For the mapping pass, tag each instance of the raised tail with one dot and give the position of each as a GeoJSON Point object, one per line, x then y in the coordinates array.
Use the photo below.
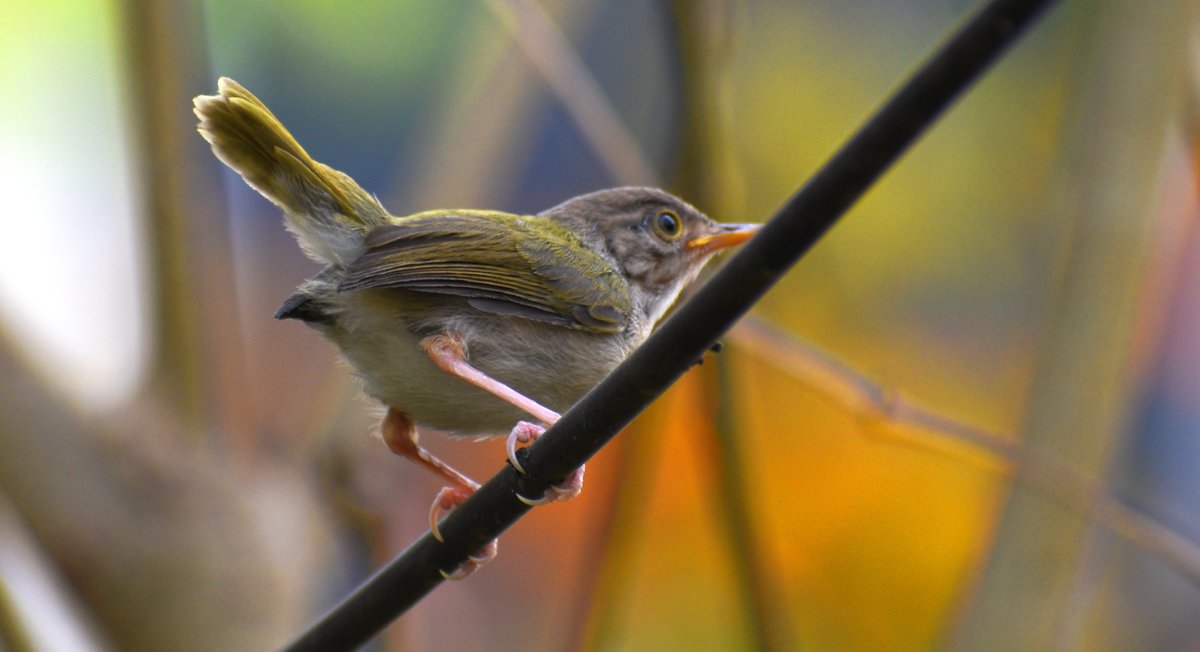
{"type": "Point", "coordinates": [327, 211]}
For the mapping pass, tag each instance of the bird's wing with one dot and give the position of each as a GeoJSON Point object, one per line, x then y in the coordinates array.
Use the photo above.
{"type": "Point", "coordinates": [527, 266]}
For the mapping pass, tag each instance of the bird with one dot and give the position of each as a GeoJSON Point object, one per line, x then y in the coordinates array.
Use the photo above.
{"type": "Point", "coordinates": [466, 321]}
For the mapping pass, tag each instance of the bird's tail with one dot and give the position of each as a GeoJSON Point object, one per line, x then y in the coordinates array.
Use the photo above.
{"type": "Point", "coordinates": [327, 211]}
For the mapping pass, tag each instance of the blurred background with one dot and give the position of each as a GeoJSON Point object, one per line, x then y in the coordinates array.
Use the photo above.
{"type": "Point", "coordinates": [970, 418]}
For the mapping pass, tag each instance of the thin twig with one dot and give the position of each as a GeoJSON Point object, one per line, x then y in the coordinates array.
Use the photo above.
{"type": "Point", "coordinates": [669, 352]}
{"type": "Point", "coordinates": [641, 451]}
{"type": "Point", "coordinates": [840, 384]}
{"type": "Point", "coordinates": [1079, 403]}
{"type": "Point", "coordinates": [548, 49]}
{"type": "Point", "coordinates": [177, 371]}
{"type": "Point", "coordinates": [705, 172]}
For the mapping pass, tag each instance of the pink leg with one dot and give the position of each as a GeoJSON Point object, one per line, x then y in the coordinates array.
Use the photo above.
{"type": "Point", "coordinates": [400, 435]}
{"type": "Point", "coordinates": [449, 354]}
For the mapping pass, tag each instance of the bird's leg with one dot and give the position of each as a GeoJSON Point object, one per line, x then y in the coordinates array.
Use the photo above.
{"type": "Point", "coordinates": [400, 435]}
{"type": "Point", "coordinates": [449, 354]}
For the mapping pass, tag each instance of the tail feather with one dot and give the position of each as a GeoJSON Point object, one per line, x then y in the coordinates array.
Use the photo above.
{"type": "Point", "coordinates": [326, 209]}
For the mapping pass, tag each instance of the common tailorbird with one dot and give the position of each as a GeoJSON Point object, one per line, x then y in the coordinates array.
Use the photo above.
{"type": "Point", "coordinates": [465, 321]}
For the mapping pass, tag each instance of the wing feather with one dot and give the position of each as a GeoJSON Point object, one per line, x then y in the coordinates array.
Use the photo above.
{"type": "Point", "coordinates": [526, 266]}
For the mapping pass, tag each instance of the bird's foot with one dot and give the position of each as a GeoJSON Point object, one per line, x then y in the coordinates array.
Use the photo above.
{"type": "Point", "coordinates": [449, 498]}
{"type": "Point", "coordinates": [526, 433]}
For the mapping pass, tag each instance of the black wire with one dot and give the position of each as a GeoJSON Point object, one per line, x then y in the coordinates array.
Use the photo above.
{"type": "Point", "coordinates": [684, 338]}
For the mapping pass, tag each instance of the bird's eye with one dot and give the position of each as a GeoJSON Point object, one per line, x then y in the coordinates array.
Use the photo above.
{"type": "Point", "coordinates": [668, 226]}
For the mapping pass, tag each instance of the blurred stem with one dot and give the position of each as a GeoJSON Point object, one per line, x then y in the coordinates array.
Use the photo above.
{"type": "Point", "coordinates": [157, 538]}
{"type": "Point", "coordinates": [1081, 389]}
{"type": "Point", "coordinates": [887, 413]}
{"type": "Point", "coordinates": [705, 172]}
{"type": "Point", "coordinates": [759, 597]}
{"type": "Point", "coordinates": [705, 169]}
{"type": "Point", "coordinates": [36, 606]}
{"type": "Point", "coordinates": [472, 155]}
{"type": "Point", "coordinates": [14, 634]}
{"type": "Point", "coordinates": [548, 49]}
{"type": "Point", "coordinates": [176, 369]}
{"type": "Point", "coordinates": [1168, 237]}
{"type": "Point", "coordinates": [616, 563]}
{"type": "Point", "coordinates": [196, 362]}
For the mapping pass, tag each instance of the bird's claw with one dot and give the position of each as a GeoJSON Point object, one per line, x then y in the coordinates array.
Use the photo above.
{"type": "Point", "coordinates": [485, 555]}
{"type": "Point", "coordinates": [565, 490]}
{"type": "Point", "coordinates": [448, 498]}
{"type": "Point", "coordinates": [527, 433]}
{"type": "Point", "coordinates": [522, 433]}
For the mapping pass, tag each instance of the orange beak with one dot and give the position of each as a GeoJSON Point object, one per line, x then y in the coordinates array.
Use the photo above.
{"type": "Point", "coordinates": [730, 235]}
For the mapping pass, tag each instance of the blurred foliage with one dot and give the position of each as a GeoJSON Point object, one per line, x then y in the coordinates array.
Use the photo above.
{"type": "Point", "coordinates": [850, 473]}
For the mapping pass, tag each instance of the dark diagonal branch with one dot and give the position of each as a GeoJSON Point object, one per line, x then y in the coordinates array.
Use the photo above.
{"type": "Point", "coordinates": [684, 338]}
